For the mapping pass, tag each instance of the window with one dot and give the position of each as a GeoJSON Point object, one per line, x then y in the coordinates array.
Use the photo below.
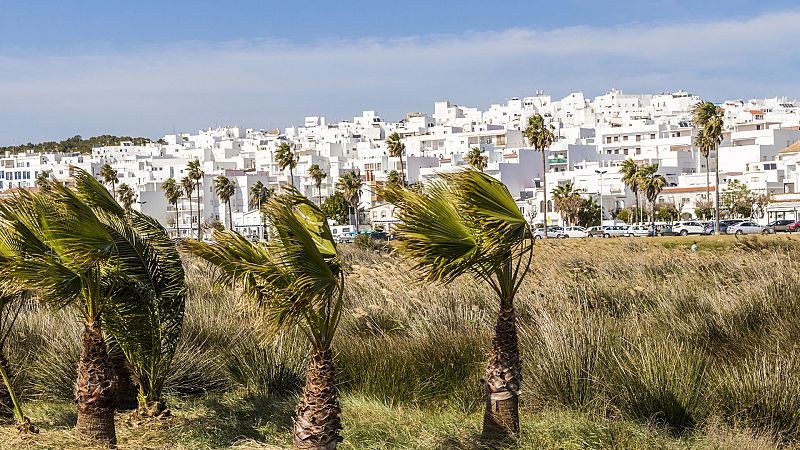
{"type": "Point", "coordinates": [652, 135]}
{"type": "Point", "coordinates": [624, 138]}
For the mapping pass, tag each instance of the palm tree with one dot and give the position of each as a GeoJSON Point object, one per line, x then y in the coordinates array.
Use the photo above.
{"type": "Point", "coordinates": [710, 118]}
{"type": "Point", "coordinates": [43, 179]}
{"type": "Point", "coordinates": [173, 193]}
{"type": "Point", "coordinates": [300, 279]}
{"type": "Point", "coordinates": [286, 157]}
{"type": "Point", "coordinates": [118, 268]}
{"type": "Point", "coordinates": [396, 149]}
{"type": "Point", "coordinates": [630, 176]}
{"type": "Point", "coordinates": [705, 145]}
{"type": "Point", "coordinates": [567, 200]}
{"type": "Point", "coordinates": [541, 137]}
{"type": "Point", "coordinates": [225, 189]}
{"type": "Point", "coordinates": [651, 184]}
{"type": "Point", "coordinates": [110, 177]}
{"type": "Point", "coordinates": [476, 159]}
{"type": "Point", "coordinates": [10, 305]}
{"type": "Point", "coordinates": [317, 175]}
{"type": "Point", "coordinates": [259, 194]}
{"type": "Point", "coordinates": [467, 222]}
{"type": "Point", "coordinates": [187, 185]}
{"type": "Point", "coordinates": [195, 173]}
{"type": "Point", "coordinates": [394, 178]}
{"type": "Point", "coordinates": [350, 184]}
{"type": "Point", "coordinates": [126, 196]}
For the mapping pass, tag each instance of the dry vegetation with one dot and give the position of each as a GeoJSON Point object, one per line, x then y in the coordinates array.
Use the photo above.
{"type": "Point", "coordinates": [626, 343]}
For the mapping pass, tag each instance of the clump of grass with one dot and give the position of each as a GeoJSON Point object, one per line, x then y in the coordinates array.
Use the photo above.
{"type": "Point", "coordinates": [763, 393]}
{"type": "Point", "coordinates": [266, 367]}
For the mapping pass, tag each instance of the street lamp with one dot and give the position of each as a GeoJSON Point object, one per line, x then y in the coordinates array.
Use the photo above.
{"type": "Point", "coordinates": [601, 172]}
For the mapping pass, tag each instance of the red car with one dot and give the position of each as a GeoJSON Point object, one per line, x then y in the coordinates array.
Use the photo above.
{"type": "Point", "coordinates": [794, 226]}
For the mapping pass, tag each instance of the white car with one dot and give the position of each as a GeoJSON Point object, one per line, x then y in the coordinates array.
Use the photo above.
{"type": "Point", "coordinates": [573, 232]}
{"type": "Point", "coordinates": [687, 228]}
{"type": "Point", "coordinates": [637, 231]}
{"type": "Point", "coordinates": [552, 232]}
{"type": "Point", "coordinates": [746, 228]}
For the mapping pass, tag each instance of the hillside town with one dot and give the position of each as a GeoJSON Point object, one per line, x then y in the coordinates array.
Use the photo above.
{"type": "Point", "coordinates": [759, 153]}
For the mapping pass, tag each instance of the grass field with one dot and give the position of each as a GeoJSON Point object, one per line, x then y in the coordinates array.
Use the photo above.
{"type": "Point", "coordinates": [626, 343]}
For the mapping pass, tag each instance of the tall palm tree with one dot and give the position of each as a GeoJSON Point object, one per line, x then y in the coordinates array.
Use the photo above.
{"type": "Point", "coordinates": [10, 305]}
{"type": "Point", "coordinates": [704, 144]}
{"type": "Point", "coordinates": [187, 185]}
{"type": "Point", "coordinates": [651, 184]}
{"type": "Point", "coordinates": [350, 185]}
{"type": "Point", "coordinates": [468, 223]}
{"type": "Point", "coordinates": [396, 148]}
{"type": "Point", "coordinates": [300, 279]}
{"type": "Point", "coordinates": [225, 189]}
{"type": "Point", "coordinates": [259, 194]}
{"type": "Point", "coordinates": [286, 157]}
{"type": "Point", "coordinates": [317, 175]}
{"type": "Point", "coordinates": [567, 200]}
{"type": "Point", "coordinates": [195, 173]}
{"type": "Point", "coordinates": [118, 268]}
{"type": "Point", "coordinates": [110, 177]}
{"type": "Point", "coordinates": [173, 193]}
{"type": "Point", "coordinates": [476, 159]}
{"type": "Point", "coordinates": [126, 195]}
{"type": "Point", "coordinates": [541, 137]}
{"type": "Point", "coordinates": [630, 176]}
{"type": "Point", "coordinates": [711, 119]}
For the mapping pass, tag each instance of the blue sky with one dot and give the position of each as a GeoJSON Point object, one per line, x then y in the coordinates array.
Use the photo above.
{"type": "Point", "coordinates": [144, 67]}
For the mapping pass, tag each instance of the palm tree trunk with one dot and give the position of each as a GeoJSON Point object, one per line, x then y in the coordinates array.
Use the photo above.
{"type": "Point", "coordinates": [708, 181]}
{"type": "Point", "coordinates": [191, 215]}
{"type": "Point", "coordinates": [127, 386]}
{"type": "Point", "coordinates": [291, 175]}
{"type": "Point", "coordinates": [317, 422]}
{"type": "Point", "coordinates": [95, 389]}
{"type": "Point", "coordinates": [177, 221]}
{"type": "Point", "coordinates": [319, 191]}
{"type": "Point", "coordinates": [544, 187]}
{"type": "Point", "coordinates": [230, 215]}
{"type": "Point", "coordinates": [355, 216]}
{"type": "Point", "coordinates": [199, 237]}
{"type": "Point", "coordinates": [716, 192]}
{"type": "Point", "coordinates": [503, 378]}
{"type": "Point", "coordinates": [402, 170]}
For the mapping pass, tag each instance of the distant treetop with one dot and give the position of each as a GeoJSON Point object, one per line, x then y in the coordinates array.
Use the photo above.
{"type": "Point", "coordinates": [73, 144]}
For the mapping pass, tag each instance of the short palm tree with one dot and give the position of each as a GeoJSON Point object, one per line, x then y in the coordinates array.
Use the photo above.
{"type": "Point", "coordinates": [394, 178]}
{"type": "Point", "coordinates": [10, 305]}
{"type": "Point", "coordinates": [286, 157]}
{"type": "Point", "coordinates": [476, 159]}
{"type": "Point", "coordinates": [126, 196]}
{"type": "Point", "coordinates": [651, 184]}
{"type": "Point", "coordinates": [396, 148]}
{"type": "Point", "coordinates": [173, 193]}
{"type": "Point", "coordinates": [119, 269]}
{"type": "Point", "coordinates": [567, 200]}
{"type": "Point", "coordinates": [630, 176]}
{"type": "Point", "coordinates": [317, 175]}
{"type": "Point", "coordinates": [541, 137]}
{"type": "Point", "coordinates": [43, 179]}
{"type": "Point", "coordinates": [299, 278]}
{"type": "Point", "coordinates": [225, 189]}
{"type": "Point", "coordinates": [187, 185]}
{"type": "Point", "coordinates": [350, 185]}
{"type": "Point", "coordinates": [259, 194]}
{"type": "Point", "coordinates": [110, 176]}
{"type": "Point", "coordinates": [467, 223]}
{"type": "Point", "coordinates": [711, 118]}
{"type": "Point", "coordinates": [195, 173]}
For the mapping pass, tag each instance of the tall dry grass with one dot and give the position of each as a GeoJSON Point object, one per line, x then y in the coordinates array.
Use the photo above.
{"type": "Point", "coordinates": [622, 328]}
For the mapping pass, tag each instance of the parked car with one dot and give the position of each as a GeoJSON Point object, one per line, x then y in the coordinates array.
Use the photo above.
{"type": "Point", "coordinates": [795, 226]}
{"type": "Point", "coordinates": [596, 231]}
{"type": "Point", "coordinates": [778, 226]}
{"type": "Point", "coordinates": [347, 236]}
{"type": "Point", "coordinates": [662, 230]}
{"type": "Point", "coordinates": [747, 228]}
{"type": "Point", "coordinates": [615, 231]}
{"type": "Point", "coordinates": [573, 232]}
{"type": "Point", "coordinates": [723, 225]}
{"type": "Point", "coordinates": [552, 232]}
{"type": "Point", "coordinates": [637, 231]}
{"type": "Point", "coordinates": [687, 228]}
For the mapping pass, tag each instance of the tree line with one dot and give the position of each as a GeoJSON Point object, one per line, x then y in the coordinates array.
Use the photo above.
{"type": "Point", "coordinates": [74, 144]}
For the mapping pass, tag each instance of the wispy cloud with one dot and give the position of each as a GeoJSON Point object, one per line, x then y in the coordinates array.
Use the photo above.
{"type": "Point", "coordinates": [273, 83]}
